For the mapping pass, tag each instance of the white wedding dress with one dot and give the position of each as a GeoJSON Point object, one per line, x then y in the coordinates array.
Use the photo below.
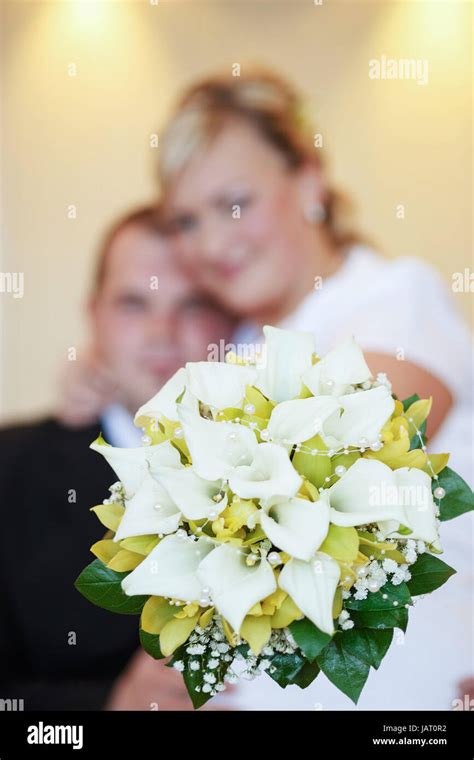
{"type": "Point", "coordinates": [400, 307]}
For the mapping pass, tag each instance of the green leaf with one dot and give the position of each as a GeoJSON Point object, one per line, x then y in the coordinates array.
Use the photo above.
{"type": "Point", "coordinates": [151, 644]}
{"type": "Point", "coordinates": [285, 668]}
{"type": "Point", "coordinates": [377, 612]}
{"type": "Point", "coordinates": [417, 441]}
{"type": "Point", "coordinates": [459, 497]}
{"type": "Point", "coordinates": [309, 638]}
{"type": "Point", "coordinates": [409, 401]}
{"type": "Point", "coordinates": [428, 573]}
{"type": "Point", "coordinates": [345, 671]}
{"type": "Point", "coordinates": [306, 675]}
{"type": "Point", "coordinates": [368, 644]}
{"type": "Point", "coordinates": [193, 678]}
{"type": "Point", "coordinates": [102, 586]}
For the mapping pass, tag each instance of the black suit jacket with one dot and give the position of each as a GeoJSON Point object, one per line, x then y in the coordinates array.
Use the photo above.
{"type": "Point", "coordinates": [57, 651]}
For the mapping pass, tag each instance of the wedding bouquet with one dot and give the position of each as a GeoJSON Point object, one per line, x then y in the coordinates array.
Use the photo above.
{"type": "Point", "coordinates": [283, 513]}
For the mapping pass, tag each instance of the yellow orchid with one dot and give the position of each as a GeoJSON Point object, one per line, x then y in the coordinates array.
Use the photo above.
{"type": "Point", "coordinates": [396, 436]}
{"type": "Point", "coordinates": [231, 522]}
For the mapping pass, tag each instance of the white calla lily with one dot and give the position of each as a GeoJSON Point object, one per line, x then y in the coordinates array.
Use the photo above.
{"type": "Point", "coordinates": [363, 416]}
{"type": "Point", "coordinates": [365, 494]}
{"type": "Point", "coordinates": [235, 586]}
{"type": "Point", "coordinates": [286, 356]}
{"type": "Point", "coordinates": [345, 365]}
{"type": "Point", "coordinates": [269, 474]}
{"type": "Point", "coordinates": [414, 492]}
{"type": "Point", "coordinates": [194, 496]}
{"type": "Point", "coordinates": [170, 569]}
{"type": "Point", "coordinates": [298, 420]}
{"type": "Point", "coordinates": [149, 511]}
{"type": "Point", "coordinates": [132, 465]}
{"type": "Point", "coordinates": [312, 586]}
{"type": "Point", "coordinates": [163, 403]}
{"type": "Point", "coordinates": [216, 448]}
{"type": "Point", "coordinates": [296, 526]}
{"type": "Point", "coordinates": [219, 385]}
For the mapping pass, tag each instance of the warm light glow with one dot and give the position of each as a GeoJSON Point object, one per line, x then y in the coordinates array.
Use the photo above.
{"type": "Point", "coordinates": [89, 15]}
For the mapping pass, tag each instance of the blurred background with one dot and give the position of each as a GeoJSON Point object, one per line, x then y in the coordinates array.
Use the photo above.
{"type": "Point", "coordinates": [86, 85]}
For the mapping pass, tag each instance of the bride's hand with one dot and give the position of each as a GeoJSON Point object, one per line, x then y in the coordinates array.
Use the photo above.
{"type": "Point", "coordinates": [147, 684]}
{"type": "Point", "coordinates": [85, 389]}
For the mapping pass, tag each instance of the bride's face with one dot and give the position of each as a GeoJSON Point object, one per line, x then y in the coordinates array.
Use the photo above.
{"type": "Point", "coordinates": [234, 216]}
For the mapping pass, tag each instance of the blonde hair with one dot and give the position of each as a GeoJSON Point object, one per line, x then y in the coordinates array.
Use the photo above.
{"type": "Point", "coordinates": [273, 108]}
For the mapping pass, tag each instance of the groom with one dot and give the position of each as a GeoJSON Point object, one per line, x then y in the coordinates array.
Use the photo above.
{"type": "Point", "coordinates": [57, 650]}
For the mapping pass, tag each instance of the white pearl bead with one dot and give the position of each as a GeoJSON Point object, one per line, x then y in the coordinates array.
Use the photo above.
{"type": "Point", "coordinates": [439, 492]}
{"type": "Point", "coordinates": [181, 533]}
{"type": "Point", "coordinates": [264, 435]}
{"type": "Point", "coordinates": [178, 433]}
{"type": "Point", "coordinates": [340, 470]}
{"type": "Point", "coordinates": [376, 446]}
{"type": "Point", "coordinates": [146, 440]}
{"type": "Point", "coordinates": [213, 514]}
{"type": "Point", "coordinates": [249, 409]}
{"type": "Point", "coordinates": [274, 558]}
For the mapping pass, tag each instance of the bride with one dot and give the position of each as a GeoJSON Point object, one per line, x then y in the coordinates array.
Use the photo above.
{"type": "Point", "coordinates": [251, 216]}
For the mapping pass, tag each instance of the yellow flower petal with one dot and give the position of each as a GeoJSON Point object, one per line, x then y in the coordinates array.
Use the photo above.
{"type": "Point", "coordinates": [109, 515]}
{"type": "Point", "coordinates": [206, 617]}
{"type": "Point", "coordinates": [124, 561]}
{"type": "Point", "coordinates": [229, 633]}
{"type": "Point", "coordinates": [256, 631]}
{"type": "Point", "coordinates": [341, 543]}
{"type": "Point", "coordinates": [273, 602]}
{"type": "Point", "coordinates": [313, 468]}
{"type": "Point", "coordinates": [337, 603]}
{"type": "Point", "coordinates": [140, 544]}
{"type": "Point", "coordinates": [105, 549]}
{"type": "Point", "coordinates": [175, 633]}
{"type": "Point", "coordinates": [437, 461]}
{"type": "Point", "coordinates": [155, 614]}
{"type": "Point", "coordinates": [286, 614]}
{"type": "Point", "coordinates": [256, 610]}
{"type": "Point", "coordinates": [418, 412]}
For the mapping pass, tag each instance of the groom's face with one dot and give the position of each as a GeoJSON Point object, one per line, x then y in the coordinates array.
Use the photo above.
{"type": "Point", "coordinates": [148, 317]}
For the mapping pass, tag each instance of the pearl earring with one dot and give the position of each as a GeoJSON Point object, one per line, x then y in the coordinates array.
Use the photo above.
{"type": "Point", "coordinates": [315, 213]}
